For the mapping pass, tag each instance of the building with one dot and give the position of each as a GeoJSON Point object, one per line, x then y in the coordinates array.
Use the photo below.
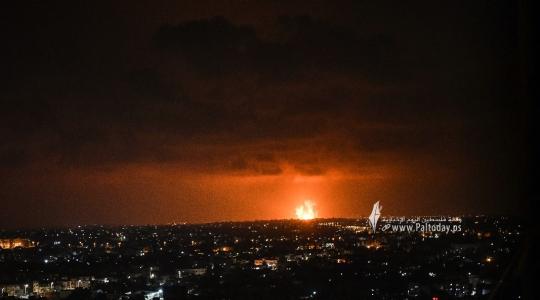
{"type": "Point", "coordinates": [16, 243]}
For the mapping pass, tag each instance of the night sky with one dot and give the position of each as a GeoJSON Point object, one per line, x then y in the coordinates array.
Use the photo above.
{"type": "Point", "coordinates": [137, 113]}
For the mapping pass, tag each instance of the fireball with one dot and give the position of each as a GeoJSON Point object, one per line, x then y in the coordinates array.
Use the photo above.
{"type": "Point", "coordinates": [306, 211]}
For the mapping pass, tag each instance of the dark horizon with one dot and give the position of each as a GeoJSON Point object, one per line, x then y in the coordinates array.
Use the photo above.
{"type": "Point", "coordinates": [310, 222]}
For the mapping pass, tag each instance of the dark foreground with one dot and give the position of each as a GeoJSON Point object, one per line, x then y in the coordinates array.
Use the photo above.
{"type": "Point", "coordinates": [286, 259]}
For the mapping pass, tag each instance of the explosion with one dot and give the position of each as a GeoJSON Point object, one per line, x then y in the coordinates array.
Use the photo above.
{"type": "Point", "coordinates": [306, 211]}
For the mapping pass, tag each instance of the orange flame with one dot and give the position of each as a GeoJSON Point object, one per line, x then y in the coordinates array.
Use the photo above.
{"type": "Point", "coordinates": [306, 211]}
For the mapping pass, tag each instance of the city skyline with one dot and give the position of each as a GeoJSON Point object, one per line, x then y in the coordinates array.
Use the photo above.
{"type": "Point", "coordinates": [263, 149]}
{"type": "Point", "coordinates": [317, 259]}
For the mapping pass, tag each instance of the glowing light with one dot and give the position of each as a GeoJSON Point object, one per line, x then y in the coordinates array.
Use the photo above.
{"type": "Point", "coordinates": [306, 211]}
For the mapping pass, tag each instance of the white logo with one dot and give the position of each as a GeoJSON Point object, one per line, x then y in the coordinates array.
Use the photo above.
{"type": "Point", "coordinates": [375, 214]}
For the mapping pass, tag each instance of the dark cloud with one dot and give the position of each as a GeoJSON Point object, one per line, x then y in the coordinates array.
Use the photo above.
{"type": "Point", "coordinates": [215, 45]}
{"type": "Point", "coordinates": [304, 47]}
{"type": "Point", "coordinates": [281, 88]}
{"type": "Point", "coordinates": [242, 166]}
{"type": "Point", "coordinates": [208, 85]}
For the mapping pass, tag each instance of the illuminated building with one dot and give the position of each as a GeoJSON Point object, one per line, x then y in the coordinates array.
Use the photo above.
{"type": "Point", "coordinates": [15, 243]}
